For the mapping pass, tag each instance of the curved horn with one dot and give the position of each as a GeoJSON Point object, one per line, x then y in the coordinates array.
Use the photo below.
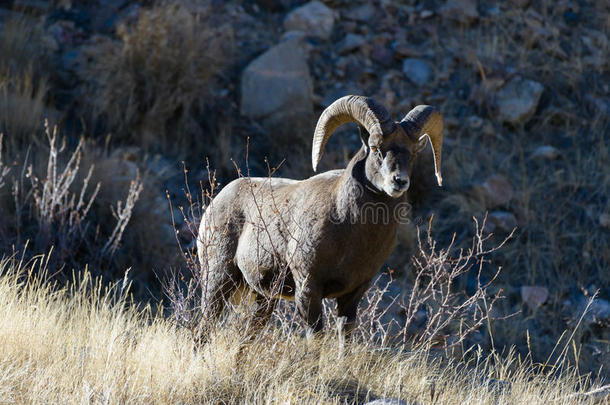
{"type": "Point", "coordinates": [362, 110]}
{"type": "Point", "coordinates": [426, 120]}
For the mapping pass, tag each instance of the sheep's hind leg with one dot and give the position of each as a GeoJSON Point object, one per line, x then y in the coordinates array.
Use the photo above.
{"type": "Point", "coordinates": [263, 310]}
{"type": "Point", "coordinates": [217, 286]}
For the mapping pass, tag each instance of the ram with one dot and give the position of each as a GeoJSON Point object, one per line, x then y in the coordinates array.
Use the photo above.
{"type": "Point", "coordinates": [323, 237]}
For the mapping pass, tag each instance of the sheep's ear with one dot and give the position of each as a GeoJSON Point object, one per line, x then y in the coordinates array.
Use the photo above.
{"type": "Point", "coordinates": [364, 136]}
{"type": "Point", "coordinates": [421, 144]}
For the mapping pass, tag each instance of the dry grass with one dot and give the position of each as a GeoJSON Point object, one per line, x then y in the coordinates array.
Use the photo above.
{"type": "Point", "coordinates": [153, 84]}
{"type": "Point", "coordinates": [89, 343]}
{"type": "Point", "coordinates": [23, 84]}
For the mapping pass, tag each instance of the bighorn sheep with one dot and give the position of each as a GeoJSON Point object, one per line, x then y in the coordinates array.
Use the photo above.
{"type": "Point", "coordinates": [312, 238]}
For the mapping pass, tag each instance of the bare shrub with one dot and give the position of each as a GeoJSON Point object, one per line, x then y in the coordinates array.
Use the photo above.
{"type": "Point", "coordinates": [184, 285]}
{"type": "Point", "coordinates": [48, 209]}
{"type": "Point", "coordinates": [436, 312]}
{"type": "Point", "coordinates": [150, 85]}
{"type": "Point", "coordinates": [450, 315]}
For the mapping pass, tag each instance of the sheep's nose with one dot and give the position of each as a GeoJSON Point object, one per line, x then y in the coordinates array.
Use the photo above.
{"type": "Point", "coordinates": [400, 181]}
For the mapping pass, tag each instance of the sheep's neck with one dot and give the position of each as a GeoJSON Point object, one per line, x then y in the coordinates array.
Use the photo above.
{"type": "Point", "coordinates": [358, 201]}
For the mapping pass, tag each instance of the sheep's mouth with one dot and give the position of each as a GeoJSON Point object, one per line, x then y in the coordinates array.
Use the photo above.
{"type": "Point", "coordinates": [397, 191]}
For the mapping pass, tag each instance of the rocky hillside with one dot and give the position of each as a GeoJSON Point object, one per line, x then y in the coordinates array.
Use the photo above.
{"type": "Point", "coordinates": [523, 86]}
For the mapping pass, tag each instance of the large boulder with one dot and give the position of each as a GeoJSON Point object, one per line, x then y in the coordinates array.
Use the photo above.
{"type": "Point", "coordinates": [417, 71]}
{"type": "Point", "coordinates": [276, 89]}
{"type": "Point", "coordinates": [518, 99]}
{"type": "Point", "coordinates": [461, 11]}
{"type": "Point", "coordinates": [495, 192]}
{"type": "Point", "coordinates": [313, 18]}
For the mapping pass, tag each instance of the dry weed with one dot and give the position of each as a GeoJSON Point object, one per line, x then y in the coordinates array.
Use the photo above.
{"type": "Point", "coordinates": [152, 86]}
{"type": "Point", "coordinates": [23, 83]}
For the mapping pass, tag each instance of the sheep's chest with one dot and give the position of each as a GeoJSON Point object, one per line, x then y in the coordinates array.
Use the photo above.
{"type": "Point", "coordinates": [357, 258]}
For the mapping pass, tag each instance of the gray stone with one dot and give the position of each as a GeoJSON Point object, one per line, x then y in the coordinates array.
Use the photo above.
{"type": "Point", "coordinates": [363, 13]}
{"type": "Point", "coordinates": [520, 3]}
{"type": "Point", "coordinates": [597, 104]}
{"type": "Point", "coordinates": [293, 35]}
{"type": "Point", "coordinates": [496, 191]}
{"type": "Point", "coordinates": [517, 100]}
{"type": "Point", "coordinates": [598, 313]}
{"type": "Point", "coordinates": [546, 152]}
{"type": "Point", "coordinates": [35, 7]}
{"type": "Point", "coordinates": [274, 5]}
{"type": "Point", "coordinates": [604, 220]}
{"type": "Point", "coordinates": [417, 71]}
{"type": "Point", "coordinates": [332, 95]}
{"type": "Point", "coordinates": [475, 122]}
{"type": "Point", "coordinates": [462, 11]}
{"type": "Point", "coordinates": [313, 18]}
{"type": "Point", "coordinates": [534, 296]}
{"type": "Point", "coordinates": [350, 43]}
{"type": "Point", "coordinates": [382, 55]}
{"type": "Point", "coordinates": [276, 88]}
{"type": "Point", "coordinates": [388, 401]}
{"type": "Point", "coordinates": [502, 221]}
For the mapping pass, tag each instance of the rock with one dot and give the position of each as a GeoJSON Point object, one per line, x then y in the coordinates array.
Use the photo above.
{"type": "Point", "coordinates": [534, 296]}
{"type": "Point", "coordinates": [313, 18]}
{"type": "Point", "coordinates": [517, 100]}
{"type": "Point", "coordinates": [496, 191]}
{"type": "Point", "coordinates": [350, 43]}
{"type": "Point", "coordinates": [332, 95]}
{"type": "Point", "coordinates": [520, 3]}
{"type": "Point", "coordinates": [598, 313]}
{"type": "Point", "coordinates": [417, 71]}
{"type": "Point", "coordinates": [405, 51]}
{"type": "Point", "coordinates": [462, 11]}
{"type": "Point", "coordinates": [502, 221]}
{"type": "Point", "coordinates": [32, 7]}
{"type": "Point", "coordinates": [274, 5]}
{"type": "Point", "coordinates": [475, 122]}
{"type": "Point", "coordinates": [546, 152]}
{"type": "Point", "coordinates": [363, 13]}
{"type": "Point", "coordinates": [604, 220]}
{"type": "Point", "coordinates": [387, 401]}
{"type": "Point", "coordinates": [597, 105]}
{"type": "Point", "coordinates": [383, 56]}
{"type": "Point", "coordinates": [282, 72]}
{"type": "Point", "coordinates": [293, 36]}
{"type": "Point", "coordinates": [425, 14]}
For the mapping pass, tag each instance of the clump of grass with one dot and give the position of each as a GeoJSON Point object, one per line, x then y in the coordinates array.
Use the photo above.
{"type": "Point", "coordinates": [88, 343]}
{"type": "Point", "coordinates": [23, 83]}
{"type": "Point", "coordinates": [152, 85]}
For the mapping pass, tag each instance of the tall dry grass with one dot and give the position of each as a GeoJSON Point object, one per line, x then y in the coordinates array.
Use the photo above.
{"type": "Point", "coordinates": [88, 343]}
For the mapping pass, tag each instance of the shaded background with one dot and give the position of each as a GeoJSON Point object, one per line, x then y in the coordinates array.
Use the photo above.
{"type": "Point", "coordinates": [153, 87]}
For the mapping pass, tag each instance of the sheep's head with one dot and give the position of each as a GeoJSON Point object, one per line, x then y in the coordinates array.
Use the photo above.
{"type": "Point", "coordinates": [390, 146]}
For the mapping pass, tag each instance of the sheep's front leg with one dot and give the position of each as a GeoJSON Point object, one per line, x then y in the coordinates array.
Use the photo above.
{"type": "Point", "coordinates": [308, 300]}
{"type": "Point", "coordinates": [347, 306]}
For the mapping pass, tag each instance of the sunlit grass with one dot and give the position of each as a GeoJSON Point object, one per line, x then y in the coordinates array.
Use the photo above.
{"type": "Point", "coordinates": [89, 343]}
